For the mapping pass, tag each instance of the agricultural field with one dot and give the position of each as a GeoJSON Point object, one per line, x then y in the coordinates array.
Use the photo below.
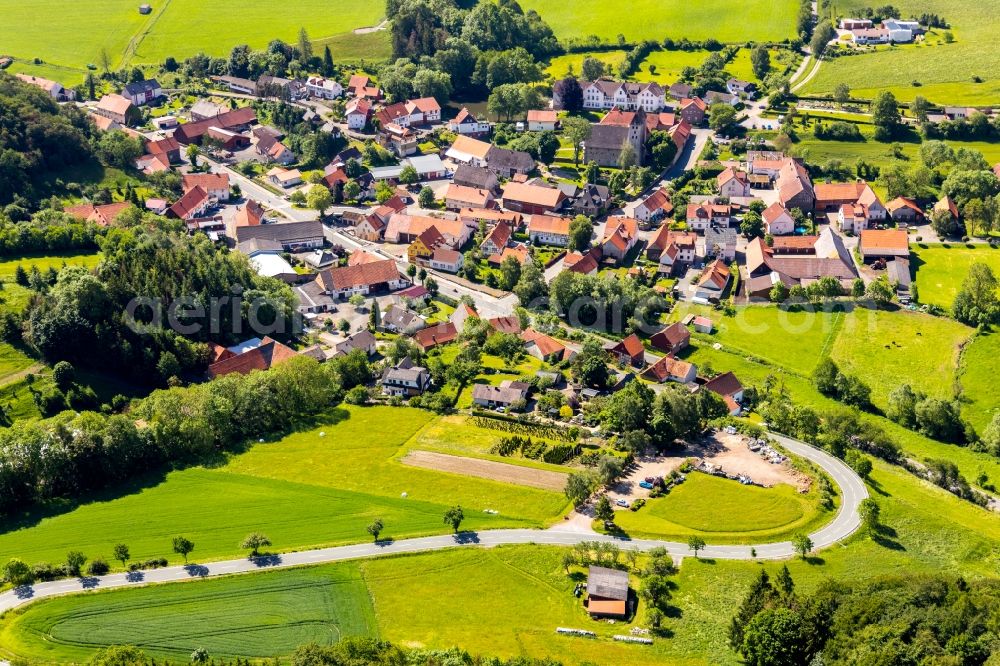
{"type": "Point", "coordinates": [759, 20]}
{"type": "Point", "coordinates": [504, 601]}
{"type": "Point", "coordinates": [940, 72]}
{"type": "Point", "coordinates": [904, 346]}
{"type": "Point", "coordinates": [777, 512]}
{"type": "Point", "coordinates": [318, 604]}
{"type": "Point", "coordinates": [939, 270]}
{"type": "Point", "coordinates": [74, 36]}
{"type": "Point", "coordinates": [305, 490]}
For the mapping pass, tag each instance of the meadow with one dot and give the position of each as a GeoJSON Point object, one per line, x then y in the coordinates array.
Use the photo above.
{"type": "Point", "coordinates": [939, 270]}
{"type": "Point", "coordinates": [776, 513]}
{"type": "Point", "coordinates": [978, 372]}
{"type": "Point", "coordinates": [70, 39]}
{"type": "Point", "coordinates": [940, 72]}
{"type": "Point", "coordinates": [758, 20]}
{"type": "Point", "coordinates": [663, 67]}
{"type": "Point", "coordinates": [505, 600]}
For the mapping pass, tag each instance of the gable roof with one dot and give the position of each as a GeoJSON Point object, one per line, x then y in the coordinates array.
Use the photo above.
{"type": "Point", "coordinates": [250, 214]}
{"type": "Point", "coordinates": [725, 384]}
{"type": "Point", "coordinates": [433, 336]}
{"type": "Point", "coordinates": [186, 206]}
{"type": "Point", "coordinates": [549, 224]}
{"type": "Point", "coordinates": [669, 367]}
{"type": "Point", "coordinates": [367, 274]}
{"type": "Point", "coordinates": [268, 354]}
{"type": "Point", "coordinates": [115, 104]}
{"type": "Point", "coordinates": [470, 146]}
{"type": "Point", "coordinates": [716, 275]}
{"type": "Point", "coordinates": [672, 335]}
{"type": "Point", "coordinates": [207, 181]}
{"type": "Point", "coordinates": [536, 195]}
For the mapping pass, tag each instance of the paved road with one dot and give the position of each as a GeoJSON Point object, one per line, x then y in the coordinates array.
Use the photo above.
{"type": "Point", "coordinates": [852, 489]}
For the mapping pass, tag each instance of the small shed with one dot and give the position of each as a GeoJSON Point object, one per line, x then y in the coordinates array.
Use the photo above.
{"type": "Point", "coordinates": [702, 324]}
{"type": "Point", "coordinates": [145, 9]}
{"type": "Point", "coordinates": [607, 592]}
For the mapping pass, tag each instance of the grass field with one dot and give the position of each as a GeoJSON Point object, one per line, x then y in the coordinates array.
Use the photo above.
{"type": "Point", "coordinates": [941, 269]}
{"type": "Point", "coordinates": [734, 514]}
{"type": "Point", "coordinates": [651, 19]}
{"type": "Point", "coordinates": [14, 296]}
{"type": "Point", "coordinates": [505, 600]}
{"type": "Point", "coordinates": [319, 604]}
{"type": "Point", "coordinates": [75, 35]}
{"type": "Point", "coordinates": [668, 64]}
{"type": "Point", "coordinates": [979, 370]}
{"type": "Point", "coordinates": [944, 71]}
{"type": "Point", "coordinates": [303, 491]}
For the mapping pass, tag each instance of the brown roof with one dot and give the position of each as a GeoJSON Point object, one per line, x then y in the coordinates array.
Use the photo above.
{"type": "Point", "coordinates": [115, 104]}
{"type": "Point", "coordinates": [249, 215]}
{"type": "Point", "coordinates": [902, 202]}
{"type": "Point", "coordinates": [207, 181]}
{"type": "Point", "coordinates": [469, 195]}
{"type": "Point", "coordinates": [668, 367]}
{"type": "Point", "coordinates": [508, 324]}
{"type": "Point", "coordinates": [670, 337]}
{"type": "Point", "coordinates": [187, 204]}
{"type": "Point", "coordinates": [884, 239]}
{"type": "Point", "coordinates": [725, 384]}
{"type": "Point", "coordinates": [268, 354]}
{"type": "Point", "coordinates": [548, 197]}
{"type": "Point", "coordinates": [717, 273]}
{"type": "Point", "coordinates": [189, 132]}
{"type": "Point", "coordinates": [433, 336]}
{"type": "Point", "coordinates": [358, 275]}
{"type": "Point", "coordinates": [549, 224]}
{"type": "Point", "coordinates": [631, 345]}
{"type": "Point", "coordinates": [102, 215]}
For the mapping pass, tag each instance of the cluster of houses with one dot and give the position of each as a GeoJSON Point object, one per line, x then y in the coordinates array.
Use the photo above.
{"type": "Point", "coordinates": [890, 31]}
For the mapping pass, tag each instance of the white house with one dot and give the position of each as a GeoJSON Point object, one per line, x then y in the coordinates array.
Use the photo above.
{"type": "Point", "coordinates": [446, 259]}
{"type": "Point", "coordinates": [605, 94]}
{"type": "Point", "coordinates": [358, 111]}
{"type": "Point", "coordinates": [733, 183]}
{"type": "Point", "coordinates": [317, 86]}
{"type": "Point", "coordinates": [467, 124]}
{"type": "Point", "coordinates": [777, 220]}
{"type": "Point", "coordinates": [542, 120]}
{"type": "Point", "coordinates": [549, 230]}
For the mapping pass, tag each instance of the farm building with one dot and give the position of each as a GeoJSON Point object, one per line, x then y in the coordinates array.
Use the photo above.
{"type": "Point", "coordinates": [607, 592]}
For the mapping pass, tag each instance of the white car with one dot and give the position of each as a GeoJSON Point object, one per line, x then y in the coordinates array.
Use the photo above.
{"type": "Point", "coordinates": [622, 503]}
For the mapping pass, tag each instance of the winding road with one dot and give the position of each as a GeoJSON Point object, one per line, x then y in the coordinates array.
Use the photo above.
{"type": "Point", "coordinates": [852, 492]}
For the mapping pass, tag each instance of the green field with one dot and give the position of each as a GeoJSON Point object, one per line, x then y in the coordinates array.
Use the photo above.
{"type": "Point", "coordinates": [303, 491]}
{"type": "Point", "coordinates": [941, 269]}
{"type": "Point", "coordinates": [944, 72]}
{"type": "Point", "coordinates": [735, 514]}
{"type": "Point", "coordinates": [75, 35]}
{"type": "Point", "coordinates": [319, 604]}
{"type": "Point", "coordinates": [14, 296]}
{"type": "Point", "coordinates": [979, 370]}
{"type": "Point", "coordinates": [759, 20]}
{"type": "Point", "coordinates": [504, 601]}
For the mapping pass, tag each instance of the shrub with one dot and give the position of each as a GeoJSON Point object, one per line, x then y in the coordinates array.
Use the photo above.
{"type": "Point", "coordinates": [98, 567]}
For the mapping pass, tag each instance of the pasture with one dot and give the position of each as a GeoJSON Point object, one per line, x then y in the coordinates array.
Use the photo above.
{"type": "Point", "coordinates": [225, 616]}
{"type": "Point", "coordinates": [940, 72]}
{"type": "Point", "coordinates": [74, 36]}
{"type": "Point", "coordinates": [14, 296]}
{"type": "Point", "coordinates": [980, 367]}
{"type": "Point", "coordinates": [724, 511]}
{"type": "Point", "coordinates": [505, 601]}
{"type": "Point", "coordinates": [303, 491]}
{"type": "Point", "coordinates": [939, 270]}
{"type": "Point", "coordinates": [759, 20]}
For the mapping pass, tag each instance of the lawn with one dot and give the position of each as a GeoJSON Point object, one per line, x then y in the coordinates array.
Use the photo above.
{"type": "Point", "coordinates": [75, 35]}
{"type": "Point", "coordinates": [901, 347]}
{"type": "Point", "coordinates": [303, 491]}
{"type": "Point", "coordinates": [944, 72]}
{"type": "Point", "coordinates": [560, 66]}
{"type": "Point", "coordinates": [758, 20]}
{"type": "Point", "coordinates": [940, 269]}
{"type": "Point", "coordinates": [724, 511]}
{"type": "Point", "coordinates": [225, 616]}
{"type": "Point", "coordinates": [506, 600]}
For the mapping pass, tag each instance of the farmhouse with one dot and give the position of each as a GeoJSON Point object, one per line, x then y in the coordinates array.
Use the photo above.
{"type": "Point", "coordinates": [400, 319]}
{"type": "Point", "coordinates": [497, 240]}
{"type": "Point", "coordinates": [477, 177]}
{"type": "Point", "coordinates": [143, 92]}
{"type": "Point", "coordinates": [856, 204]}
{"type": "Point", "coordinates": [702, 216]}
{"type": "Point", "coordinates": [468, 150]}
{"type": "Point", "coordinates": [733, 183]}
{"type": "Point", "coordinates": [204, 109]}
{"type": "Point", "coordinates": [506, 163]}
{"type": "Point", "coordinates": [435, 336]}
{"type": "Point", "coordinates": [588, 199]}
{"type": "Point", "coordinates": [284, 178]}
{"type": "Point", "coordinates": [628, 351]}
{"type": "Point", "coordinates": [215, 184]}
{"type": "Point", "coordinates": [670, 369]}
{"type": "Point", "coordinates": [458, 197]}
{"type": "Point", "coordinates": [797, 260]}
{"type": "Point", "coordinates": [607, 592]}
{"type": "Point", "coordinates": [672, 339]}
{"type": "Point", "coordinates": [777, 220]}
{"type": "Point", "coordinates": [545, 348]}
{"type": "Point", "coordinates": [509, 395]}
{"type": "Point", "coordinates": [795, 188]}
{"type": "Point", "coordinates": [741, 88]}
{"type": "Point", "coordinates": [621, 234]}
{"type": "Point", "coordinates": [55, 90]}
{"type": "Point", "coordinates": [191, 206]}
{"type": "Point", "coordinates": [363, 340]}
{"type": "Point", "coordinates": [103, 215]}
{"type": "Point", "coordinates": [713, 281]}
{"type": "Point", "coordinates": [253, 354]}
{"type": "Point", "coordinates": [729, 387]}
{"type": "Point", "coordinates": [236, 120]}
{"type": "Point", "coordinates": [884, 244]}
{"type": "Point", "coordinates": [653, 208]}
{"type": "Point", "coordinates": [251, 214]}
{"type": "Point", "coordinates": [117, 108]}
{"type": "Point", "coordinates": [693, 110]}
{"type": "Point", "coordinates": [542, 120]}
{"type": "Point", "coordinates": [720, 242]}
{"type": "Point", "coordinates": [904, 211]}
{"type": "Point", "coordinates": [403, 228]}
{"type": "Point", "coordinates": [549, 230]}
{"type": "Point", "coordinates": [584, 263]}
{"type": "Point", "coordinates": [364, 279]}
{"type": "Point", "coordinates": [323, 88]}
{"type": "Point", "coordinates": [532, 199]}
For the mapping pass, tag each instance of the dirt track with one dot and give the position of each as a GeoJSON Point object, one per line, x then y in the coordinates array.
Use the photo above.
{"type": "Point", "coordinates": [487, 469]}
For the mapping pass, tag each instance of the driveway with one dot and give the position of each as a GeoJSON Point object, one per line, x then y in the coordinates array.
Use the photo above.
{"type": "Point", "coordinates": [846, 522]}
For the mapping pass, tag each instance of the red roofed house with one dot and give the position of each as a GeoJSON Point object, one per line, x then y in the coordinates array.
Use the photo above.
{"type": "Point", "coordinates": [103, 215]}
{"type": "Point", "coordinates": [705, 215]}
{"type": "Point", "coordinates": [532, 199]}
{"type": "Point", "coordinates": [262, 357]}
{"type": "Point", "coordinates": [467, 124]}
{"type": "Point", "coordinates": [365, 278]}
{"type": "Point", "coordinates": [357, 113]}
{"type": "Point", "coordinates": [856, 204]}
{"type": "Point", "coordinates": [670, 369]}
{"type": "Point", "coordinates": [251, 214]}
{"type": "Point", "coordinates": [117, 108]}
{"type": "Point", "coordinates": [777, 220]}
{"type": "Point", "coordinates": [628, 351]}
{"type": "Point", "coordinates": [548, 230]}
{"type": "Point", "coordinates": [730, 388]}
{"type": "Point", "coordinates": [192, 205]}
{"type": "Point", "coordinates": [545, 348]}
{"type": "Point", "coordinates": [542, 120]}
{"type": "Point", "coordinates": [434, 336]}
{"type": "Point", "coordinates": [671, 248]}
{"type": "Point", "coordinates": [693, 110]}
{"type": "Point", "coordinates": [733, 183]}
{"type": "Point", "coordinates": [497, 240]}
{"type": "Point", "coordinates": [621, 234]}
{"type": "Point", "coordinates": [672, 339]}
{"type": "Point", "coordinates": [653, 208]}
{"type": "Point", "coordinates": [216, 185]}
{"type": "Point", "coordinates": [905, 210]}
{"type": "Point", "coordinates": [458, 197]}
{"type": "Point", "coordinates": [713, 281]}
{"type": "Point", "coordinates": [584, 264]}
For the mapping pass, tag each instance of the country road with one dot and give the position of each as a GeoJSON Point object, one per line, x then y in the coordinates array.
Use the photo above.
{"type": "Point", "coordinates": [852, 490]}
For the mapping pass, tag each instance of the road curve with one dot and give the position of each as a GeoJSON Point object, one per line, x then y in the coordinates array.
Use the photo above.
{"type": "Point", "coordinates": [847, 520]}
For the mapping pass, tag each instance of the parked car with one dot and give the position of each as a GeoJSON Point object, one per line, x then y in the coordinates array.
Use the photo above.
{"type": "Point", "coordinates": [622, 503]}
{"type": "Point", "coordinates": [646, 484]}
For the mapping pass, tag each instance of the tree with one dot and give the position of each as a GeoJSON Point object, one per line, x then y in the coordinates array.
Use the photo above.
{"type": "Point", "coordinates": [842, 93]}
{"type": "Point", "coordinates": [104, 60]}
{"type": "Point", "coordinates": [74, 562]}
{"type": "Point", "coordinates": [432, 83]}
{"type": "Point", "coordinates": [721, 117]}
{"type": "Point", "coordinates": [823, 33]}
{"type": "Point", "coordinates": [802, 544]}
{"type": "Point", "coordinates": [577, 130]}
{"type": "Point", "coordinates": [857, 288]}
{"type": "Point", "coordinates": [454, 517]}
{"type": "Point", "coordinates": [976, 303]}
{"type": "Point", "coordinates": [760, 60]}
{"type": "Point", "coordinates": [570, 93]}
{"type": "Point", "coordinates": [357, 300]}
{"type": "Point", "coordinates": [603, 511]}
{"type": "Point", "coordinates": [426, 197]}
{"type": "Point", "coordinates": [859, 463]}
{"type": "Point", "coordinates": [752, 225]}
{"type": "Point", "coordinates": [991, 434]}
{"type": "Point", "coordinates": [351, 190]}
{"type": "Point", "coordinates": [121, 553]}
{"type": "Point", "coordinates": [305, 46]}
{"type": "Point", "coordinates": [328, 69]}
{"type": "Point", "coordinates": [199, 656]}
{"type": "Point", "coordinates": [825, 376]}
{"type": "Point", "coordinates": [609, 468]}
{"type": "Point", "coordinates": [548, 146]}
{"type": "Point", "coordinates": [510, 273]}
{"type": "Point", "coordinates": [63, 374]}
{"type": "Point", "coordinates": [183, 547]}
{"type": "Point", "coordinates": [531, 284]}
{"type": "Point", "coordinates": [870, 512]}
{"type": "Point", "coordinates": [592, 69]}
{"type": "Point", "coordinates": [192, 154]}
{"type": "Point", "coordinates": [776, 637]}
{"type": "Point", "coordinates": [255, 541]}
{"type": "Point", "coordinates": [778, 293]}
{"type": "Point", "coordinates": [17, 573]}
{"type": "Point", "coordinates": [627, 157]}
{"type": "Point", "coordinates": [590, 367]}
{"type": "Point", "coordinates": [579, 486]}
{"type": "Point", "coordinates": [375, 528]}
{"type": "Point", "coordinates": [320, 199]}
{"type": "Point", "coordinates": [880, 291]}
{"type": "Point", "coordinates": [118, 149]}
{"type": "Point", "coordinates": [885, 116]}
{"type": "Point", "coordinates": [581, 230]}
{"type": "Point", "coordinates": [408, 175]}
{"type": "Point", "coordinates": [696, 543]}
